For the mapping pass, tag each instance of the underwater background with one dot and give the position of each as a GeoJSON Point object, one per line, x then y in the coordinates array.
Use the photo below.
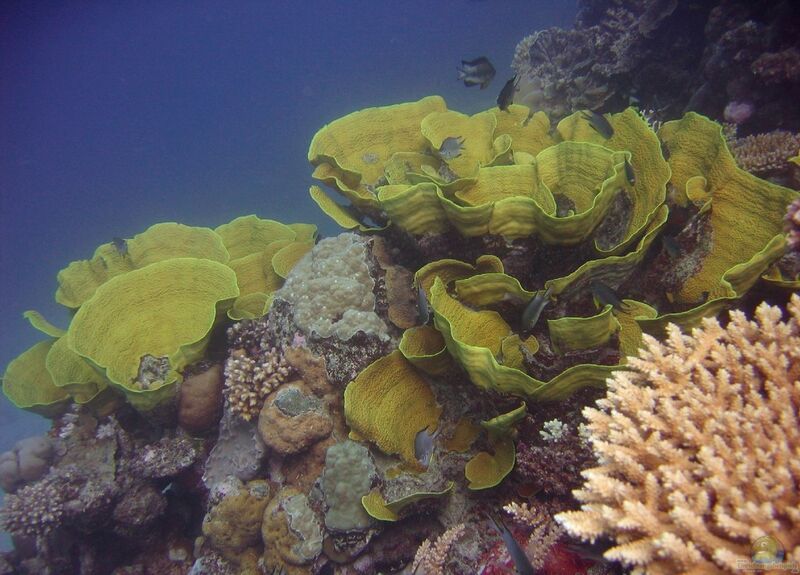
{"type": "Point", "coordinates": [119, 115]}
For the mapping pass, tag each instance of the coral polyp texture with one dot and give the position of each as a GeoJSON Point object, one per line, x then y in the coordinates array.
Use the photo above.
{"type": "Point", "coordinates": [697, 446]}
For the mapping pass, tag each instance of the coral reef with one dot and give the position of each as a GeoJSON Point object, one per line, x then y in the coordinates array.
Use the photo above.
{"type": "Point", "coordinates": [697, 446]}
{"type": "Point", "coordinates": [670, 57]}
{"type": "Point", "coordinates": [766, 154]}
{"type": "Point", "coordinates": [412, 376]}
{"type": "Point", "coordinates": [104, 487]}
{"type": "Point", "coordinates": [293, 419]}
{"type": "Point", "coordinates": [331, 292]}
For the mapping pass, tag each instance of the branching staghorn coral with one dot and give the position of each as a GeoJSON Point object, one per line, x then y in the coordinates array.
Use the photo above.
{"type": "Point", "coordinates": [698, 448]}
{"type": "Point", "coordinates": [431, 556]}
{"type": "Point", "coordinates": [544, 531]}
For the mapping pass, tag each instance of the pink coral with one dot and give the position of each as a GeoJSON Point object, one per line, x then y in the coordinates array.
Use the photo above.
{"type": "Point", "coordinates": [792, 225]}
{"type": "Point", "coordinates": [738, 112]}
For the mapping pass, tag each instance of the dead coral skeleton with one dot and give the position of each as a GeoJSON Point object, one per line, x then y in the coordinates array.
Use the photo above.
{"type": "Point", "coordinates": [698, 448]}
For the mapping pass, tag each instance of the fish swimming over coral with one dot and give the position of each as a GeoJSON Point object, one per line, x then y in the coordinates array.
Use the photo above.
{"type": "Point", "coordinates": [521, 561]}
{"type": "Point", "coordinates": [477, 72]}
{"type": "Point", "coordinates": [534, 309]}
{"type": "Point", "coordinates": [506, 96]}
{"type": "Point", "coordinates": [451, 148]}
{"type": "Point", "coordinates": [423, 307]}
{"type": "Point", "coordinates": [605, 295]}
{"type": "Point", "coordinates": [630, 175]}
{"type": "Point", "coordinates": [599, 123]}
{"type": "Point", "coordinates": [424, 444]}
{"type": "Point", "coordinates": [671, 246]}
{"type": "Point", "coordinates": [121, 245]}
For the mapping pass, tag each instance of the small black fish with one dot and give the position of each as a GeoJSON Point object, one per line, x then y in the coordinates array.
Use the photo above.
{"type": "Point", "coordinates": [671, 246]}
{"type": "Point", "coordinates": [477, 72]}
{"type": "Point", "coordinates": [629, 173]}
{"type": "Point", "coordinates": [521, 561]}
{"type": "Point", "coordinates": [121, 246]}
{"type": "Point", "coordinates": [599, 123]}
{"type": "Point", "coordinates": [423, 307]}
{"type": "Point", "coordinates": [534, 309]}
{"type": "Point", "coordinates": [604, 295]}
{"type": "Point", "coordinates": [506, 97]}
{"type": "Point", "coordinates": [424, 444]}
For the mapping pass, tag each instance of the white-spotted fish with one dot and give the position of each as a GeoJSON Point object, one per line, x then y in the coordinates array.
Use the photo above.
{"type": "Point", "coordinates": [477, 72]}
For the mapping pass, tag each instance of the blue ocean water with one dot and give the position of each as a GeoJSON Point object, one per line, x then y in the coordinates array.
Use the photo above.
{"type": "Point", "coordinates": [115, 116]}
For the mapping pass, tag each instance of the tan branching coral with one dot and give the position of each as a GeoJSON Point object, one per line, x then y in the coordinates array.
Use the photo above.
{"type": "Point", "coordinates": [249, 380]}
{"type": "Point", "coordinates": [764, 153]}
{"type": "Point", "coordinates": [544, 531]}
{"type": "Point", "coordinates": [431, 556]}
{"type": "Point", "coordinates": [699, 449]}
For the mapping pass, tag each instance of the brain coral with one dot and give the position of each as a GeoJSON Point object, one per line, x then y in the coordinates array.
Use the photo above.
{"type": "Point", "coordinates": [698, 448]}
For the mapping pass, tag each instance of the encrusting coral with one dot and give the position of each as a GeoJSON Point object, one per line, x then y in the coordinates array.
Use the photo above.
{"type": "Point", "coordinates": [698, 448]}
